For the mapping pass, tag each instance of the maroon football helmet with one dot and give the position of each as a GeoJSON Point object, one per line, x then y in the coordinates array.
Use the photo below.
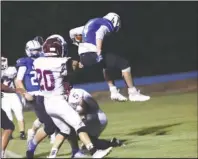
{"type": "Point", "coordinates": [68, 86]}
{"type": "Point", "coordinates": [53, 47]}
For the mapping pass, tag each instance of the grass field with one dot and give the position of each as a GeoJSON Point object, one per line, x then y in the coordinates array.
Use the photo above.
{"type": "Point", "coordinates": [165, 126]}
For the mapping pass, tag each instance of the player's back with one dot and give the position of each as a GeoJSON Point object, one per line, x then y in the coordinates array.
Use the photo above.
{"type": "Point", "coordinates": [75, 96]}
{"type": "Point", "coordinates": [91, 28]}
{"type": "Point", "coordinates": [50, 71]}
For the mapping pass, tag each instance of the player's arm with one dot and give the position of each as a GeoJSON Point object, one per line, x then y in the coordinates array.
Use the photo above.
{"type": "Point", "coordinates": [20, 76]}
{"type": "Point", "coordinates": [101, 32]}
{"type": "Point", "coordinates": [7, 89]}
{"type": "Point", "coordinates": [76, 35]}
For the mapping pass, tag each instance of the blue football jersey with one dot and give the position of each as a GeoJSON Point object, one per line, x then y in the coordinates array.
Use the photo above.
{"type": "Point", "coordinates": [30, 79]}
{"type": "Point", "coordinates": [91, 28]}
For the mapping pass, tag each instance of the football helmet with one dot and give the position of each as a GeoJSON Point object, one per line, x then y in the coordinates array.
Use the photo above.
{"type": "Point", "coordinates": [39, 39]}
{"type": "Point", "coordinates": [68, 86]}
{"type": "Point", "coordinates": [115, 20]}
{"type": "Point", "coordinates": [53, 47]}
{"type": "Point", "coordinates": [33, 48]}
{"type": "Point", "coordinates": [4, 63]}
{"type": "Point", "coordinates": [63, 43]}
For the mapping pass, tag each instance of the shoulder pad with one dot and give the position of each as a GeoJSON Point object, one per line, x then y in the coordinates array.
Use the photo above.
{"type": "Point", "coordinates": [22, 61]}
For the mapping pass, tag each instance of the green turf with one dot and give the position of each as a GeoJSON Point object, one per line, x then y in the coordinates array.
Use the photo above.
{"type": "Point", "coordinates": [165, 126]}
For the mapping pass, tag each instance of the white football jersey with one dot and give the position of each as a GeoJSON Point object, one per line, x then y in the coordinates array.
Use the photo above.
{"type": "Point", "coordinates": [50, 72]}
{"type": "Point", "coordinates": [76, 95]}
{"type": "Point", "coordinates": [8, 76]}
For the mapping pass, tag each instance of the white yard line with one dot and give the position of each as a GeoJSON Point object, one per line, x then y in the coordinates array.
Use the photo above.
{"type": "Point", "coordinates": [10, 154]}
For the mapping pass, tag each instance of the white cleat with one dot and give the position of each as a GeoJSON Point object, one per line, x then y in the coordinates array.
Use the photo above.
{"type": "Point", "coordinates": [136, 96]}
{"type": "Point", "coordinates": [79, 155]}
{"type": "Point", "coordinates": [115, 95]}
{"type": "Point", "coordinates": [30, 135]}
{"type": "Point", "coordinates": [102, 153]}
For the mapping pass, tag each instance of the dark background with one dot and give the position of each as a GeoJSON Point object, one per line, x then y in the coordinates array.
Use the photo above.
{"type": "Point", "coordinates": [156, 37]}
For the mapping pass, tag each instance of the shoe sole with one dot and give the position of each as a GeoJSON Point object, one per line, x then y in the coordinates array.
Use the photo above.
{"type": "Point", "coordinates": [109, 150]}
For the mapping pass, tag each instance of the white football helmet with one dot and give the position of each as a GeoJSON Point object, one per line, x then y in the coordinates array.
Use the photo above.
{"type": "Point", "coordinates": [10, 72]}
{"type": "Point", "coordinates": [115, 19]}
{"type": "Point", "coordinates": [62, 40]}
{"type": "Point", "coordinates": [4, 63]}
{"type": "Point", "coordinates": [33, 48]}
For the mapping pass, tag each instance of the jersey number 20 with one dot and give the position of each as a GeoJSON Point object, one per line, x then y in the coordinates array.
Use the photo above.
{"type": "Point", "coordinates": [48, 79]}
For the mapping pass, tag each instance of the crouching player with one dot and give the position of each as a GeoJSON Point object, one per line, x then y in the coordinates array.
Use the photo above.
{"type": "Point", "coordinates": [94, 119]}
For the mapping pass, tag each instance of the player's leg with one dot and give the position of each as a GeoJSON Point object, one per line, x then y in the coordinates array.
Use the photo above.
{"type": "Point", "coordinates": [6, 106]}
{"type": "Point", "coordinates": [49, 126]}
{"type": "Point", "coordinates": [8, 127]}
{"type": "Point", "coordinates": [115, 61]}
{"type": "Point", "coordinates": [67, 114]}
{"type": "Point", "coordinates": [115, 95]}
{"type": "Point", "coordinates": [32, 131]}
{"type": "Point", "coordinates": [17, 108]}
{"type": "Point", "coordinates": [60, 137]}
{"type": "Point", "coordinates": [66, 132]}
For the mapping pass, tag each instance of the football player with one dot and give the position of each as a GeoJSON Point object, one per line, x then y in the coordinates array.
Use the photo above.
{"type": "Point", "coordinates": [91, 52]}
{"type": "Point", "coordinates": [93, 117]}
{"type": "Point", "coordinates": [12, 101]}
{"type": "Point", "coordinates": [27, 79]}
{"type": "Point", "coordinates": [37, 124]}
{"type": "Point", "coordinates": [51, 70]}
{"type": "Point", "coordinates": [6, 124]}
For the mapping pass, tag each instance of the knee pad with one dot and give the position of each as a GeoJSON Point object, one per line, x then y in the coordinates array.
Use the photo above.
{"type": "Point", "coordinates": [82, 129]}
{"type": "Point", "coordinates": [128, 69]}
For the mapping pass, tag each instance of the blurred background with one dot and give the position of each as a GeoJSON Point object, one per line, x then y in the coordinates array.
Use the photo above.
{"type": "Point", "coordinates": [156, 37]}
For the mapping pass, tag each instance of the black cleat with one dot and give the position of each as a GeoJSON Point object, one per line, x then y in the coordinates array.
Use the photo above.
{"type": "Point", "coordinates": [116, 142]}
{"type": "Point", "coordinates": [22, 136]}
{"type": "Point", "coordinates": [29, 154]}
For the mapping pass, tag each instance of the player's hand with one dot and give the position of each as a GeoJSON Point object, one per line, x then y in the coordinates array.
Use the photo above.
{"type": "Point", "coordinates": [67, 58]}
{"type": "Point", "coordinates": [28, 96]}
{"type": "Point", "coordinates": [80, 65]}
{"type": "Point", "coordinates": [20, 90]}
{"type": "Point", "coordinates": [99, 58]}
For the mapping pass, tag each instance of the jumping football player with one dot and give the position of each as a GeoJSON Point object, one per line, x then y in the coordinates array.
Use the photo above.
{"type": "Point", "coordinates": [91, 53]}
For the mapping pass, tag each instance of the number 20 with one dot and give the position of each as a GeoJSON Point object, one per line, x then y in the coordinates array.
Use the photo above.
{"type": "Point", "coordinates": [49, 83]}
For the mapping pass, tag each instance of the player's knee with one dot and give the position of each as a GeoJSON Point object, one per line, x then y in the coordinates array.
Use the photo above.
{"type": "Point", "coordinates": [37, 123]}
{"type": "Point", "coordinates": [10, 126]}
{"type": "Point", "coordinates": [64, 134]}
{"type": "Point", "coordinates": [49, 129]}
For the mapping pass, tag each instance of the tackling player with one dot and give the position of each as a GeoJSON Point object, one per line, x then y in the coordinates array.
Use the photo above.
{"type": "Point", "coordinates": [12, 101]}
{"type": "Point", "coordinates": [51, 70]}
{"type": "Point", "coordinates": [91, 52]}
